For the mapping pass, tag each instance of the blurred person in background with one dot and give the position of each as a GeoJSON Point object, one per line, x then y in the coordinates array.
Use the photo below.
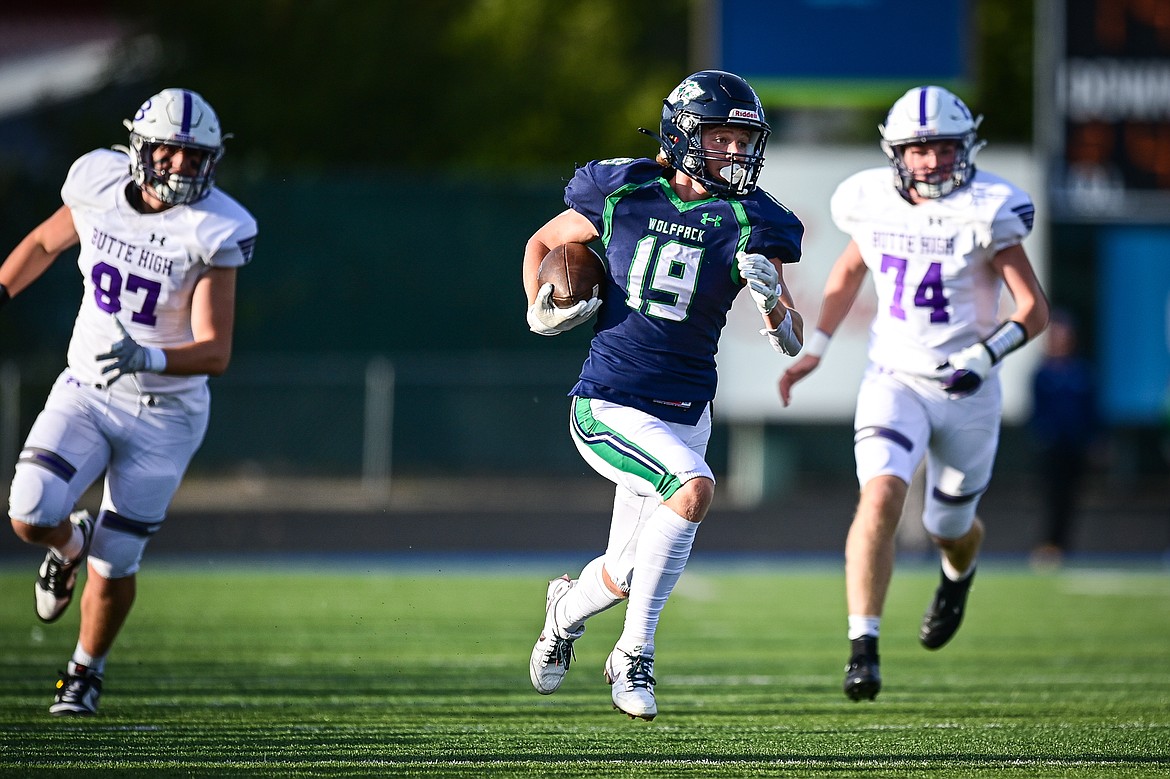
{"type": "Point", "coordinates": [683, 235]}
{"type": "Point", "coordinates": [942, 240]}
{"type": "Point", "coordinates": [160, 246]}
{"type": "Point", "coordinates": [1064, 426]}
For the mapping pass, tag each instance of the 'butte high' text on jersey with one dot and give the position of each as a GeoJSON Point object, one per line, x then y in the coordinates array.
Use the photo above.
{"type": "Point", "coordinates": [931, 262]}
{"type": "Point", "coordinates": [672, 277]}
{"type": "Point", "coordinates": [142, 268]}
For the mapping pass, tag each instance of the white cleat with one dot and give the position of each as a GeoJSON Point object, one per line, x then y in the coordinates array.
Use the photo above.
{"type": "Point", "coordinates": [632, 680]}
{"type": "Point", "coordinates": [553, 652]}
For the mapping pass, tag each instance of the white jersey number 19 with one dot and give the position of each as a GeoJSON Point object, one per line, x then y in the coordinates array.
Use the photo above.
{"type": "Point", "coordinates": [674, 271]}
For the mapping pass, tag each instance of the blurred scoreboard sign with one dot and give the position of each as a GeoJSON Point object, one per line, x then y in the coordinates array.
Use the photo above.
{"type": "Point", "coordinates": [1109, 127]}
{"type": "Point", "coordinates": [812, 53]}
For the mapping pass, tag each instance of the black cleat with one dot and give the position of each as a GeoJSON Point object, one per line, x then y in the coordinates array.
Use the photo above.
{"type": "Point", "coordinates": [77, 693]}
{"type": "Point", "coordinates": [945, 613]}
{"type": "Point", "coordinates": [863, 677]}
{"type": "Point", "coordinates": [56, 577]}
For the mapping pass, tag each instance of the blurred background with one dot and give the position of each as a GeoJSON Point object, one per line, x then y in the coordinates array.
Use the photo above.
{"type": "Point", "coordinates": [385, 393]}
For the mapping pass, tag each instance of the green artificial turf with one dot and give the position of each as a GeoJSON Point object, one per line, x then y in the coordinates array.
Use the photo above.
{"type": "Point", "coordinates": [374, 670]}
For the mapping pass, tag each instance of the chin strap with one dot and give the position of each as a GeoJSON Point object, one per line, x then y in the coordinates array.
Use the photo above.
{"type": "Point", "coordinates": [653, 135]}
{"type": "Point", "coordinates": [661, 144]}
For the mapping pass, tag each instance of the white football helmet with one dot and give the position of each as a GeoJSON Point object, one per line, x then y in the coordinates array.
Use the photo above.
{"type": "Point", "coordinates": [925, 114]}
{"type": "Point", "coordinates": [175, 117]}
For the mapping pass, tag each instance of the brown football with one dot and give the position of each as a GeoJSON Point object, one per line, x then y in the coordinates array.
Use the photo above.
{"type": "Point", "coordinates": [575, 271]}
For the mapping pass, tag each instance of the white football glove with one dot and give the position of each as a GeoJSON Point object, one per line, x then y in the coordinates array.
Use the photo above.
{"type": "Point", "coordinates": [967, 370]}
{"type": "Point", "coordinates": [762, 279]}
{"type": "Point", "coordinates": [546, 319]}
{"type": "Point", "coordinates": [128, 356]}
{"type": "Point", "coordinates": [783, 339]}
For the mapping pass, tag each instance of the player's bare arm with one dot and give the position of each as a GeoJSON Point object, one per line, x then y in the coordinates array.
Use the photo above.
{"type": "Point", "coordinates": [39, 249]}
{"type": "Point", "coordinates": [213, 306]}
{"type": "Point", "coordinates": [844, 282]}
{"type": "Point", "coordinates": [567, 226]}
{"type": "Point", "coordinates": [1031, 304]}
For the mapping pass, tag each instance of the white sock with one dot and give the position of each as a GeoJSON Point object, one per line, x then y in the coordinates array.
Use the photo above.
{"type": "Point", "coordinates": [955, 574]}
{"type": "Point", "coordinates": [589, 597]}
{"type": "Point", "coordinates": [863, 625]}
{"type": "Point", "coordinates": [81, 657]}
{"type": "Point", "coordinates": [71, 548]}
{"type": "Point", "coordinates": [630, 512]}
{"type": "Point", "coordinates": [663, 550]}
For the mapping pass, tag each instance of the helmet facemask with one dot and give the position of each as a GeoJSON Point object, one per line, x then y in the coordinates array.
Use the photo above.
{"type": "Point", "coordinates": [174, 189]}
{"type": "Point", "coordinates": [938, 183]}
{"type": "Point", "coordinates": [737, 173]}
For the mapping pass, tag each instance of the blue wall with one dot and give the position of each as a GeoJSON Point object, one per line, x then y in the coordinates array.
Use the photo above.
{"type": "Point", "coordinates": [1133, 323]}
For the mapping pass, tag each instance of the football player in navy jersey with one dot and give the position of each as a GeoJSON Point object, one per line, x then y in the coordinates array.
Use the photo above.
{"type": "Point", "coordinates": [160, 246]}
{"type": "Point", "coordinates": [683, 234]}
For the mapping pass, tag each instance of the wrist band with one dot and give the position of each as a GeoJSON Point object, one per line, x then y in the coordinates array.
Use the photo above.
{"type": "Point", "coordinates": [156, 359]}
{"type": "Point", "coordinates": [817, 343]}
{"type": "Point", "coordinates": [4, 296]}
{"type": "Point", "coordinates": [1008, 337]}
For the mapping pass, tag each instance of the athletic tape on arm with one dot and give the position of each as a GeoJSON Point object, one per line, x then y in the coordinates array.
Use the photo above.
{"type": "Point", "coordinates": [1008, 337]}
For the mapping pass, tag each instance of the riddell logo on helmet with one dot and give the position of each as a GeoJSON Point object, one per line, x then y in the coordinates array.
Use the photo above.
{"type": "Point", "coordinates": [742, 113]}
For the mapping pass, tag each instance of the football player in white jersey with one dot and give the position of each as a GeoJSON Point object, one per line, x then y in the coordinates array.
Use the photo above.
{"type": "Point", "coordinates": [942, 240]}
{"type": "Point", "coordinates": [159, 251]}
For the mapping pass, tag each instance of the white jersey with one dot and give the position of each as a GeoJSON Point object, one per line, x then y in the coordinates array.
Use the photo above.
{"type": "Point", "coordinates": [931, 262]}
{"type": "Point", "coordinates": [142, 268]}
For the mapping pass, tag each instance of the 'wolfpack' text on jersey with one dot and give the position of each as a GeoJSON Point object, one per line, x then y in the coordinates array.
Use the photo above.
{"type": "Point", "coordinates": [142, 268]}
{"type": "Point", "coordinates": [672, 278]}
{"type": "Point", "coordinates": [930, 262]}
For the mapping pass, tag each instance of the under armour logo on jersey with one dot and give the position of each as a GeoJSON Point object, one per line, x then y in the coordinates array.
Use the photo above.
{"type": "Point", "coordinates": [161, 240]}
{"type": "Point", "coordinates": [708, 219]}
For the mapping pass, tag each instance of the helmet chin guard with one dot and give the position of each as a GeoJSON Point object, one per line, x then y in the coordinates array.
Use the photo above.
{"type": "Point", "coordinates": [923, 115]}
{"type": "Point", "coordinates": [714, 98]}
{"type": "Point", "coordinates": [183, 119]}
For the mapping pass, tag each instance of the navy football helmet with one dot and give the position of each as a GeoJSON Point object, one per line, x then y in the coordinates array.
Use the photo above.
{"type": "Point", "coordinates": [712, 98]}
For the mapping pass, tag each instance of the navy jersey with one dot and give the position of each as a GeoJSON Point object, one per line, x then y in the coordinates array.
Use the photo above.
{"type": "Point", "coordinates": [672, 277]}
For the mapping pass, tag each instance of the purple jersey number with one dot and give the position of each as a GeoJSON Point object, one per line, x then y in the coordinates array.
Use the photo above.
{"type": "Point", "coordinates": [930, 292]}
{"type": "Point", "coordinates": [107, 292]}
